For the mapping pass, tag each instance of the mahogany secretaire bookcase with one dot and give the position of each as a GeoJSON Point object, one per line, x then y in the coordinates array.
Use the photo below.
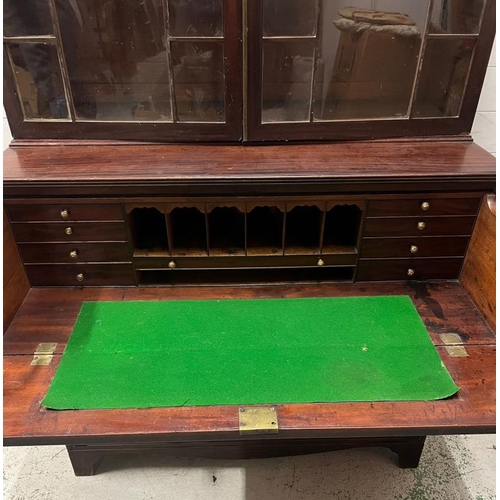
{"type": "Point", "coordinates": [168, 149]}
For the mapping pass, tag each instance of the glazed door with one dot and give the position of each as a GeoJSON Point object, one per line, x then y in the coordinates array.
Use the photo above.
{"type": "Point", "coordinates": [338, 69]}
{"type": "Point", "coordinates": [165, 70]}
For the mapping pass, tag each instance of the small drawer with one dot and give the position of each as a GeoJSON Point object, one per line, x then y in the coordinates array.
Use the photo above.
{"type": "Point", "coordinates": [419, 226]}
{"type": "Point", "coordinates": [80, 274]}
{"type": "Point", "coordinates": [65, 232]}
{"type": "Point", "coordinates": [424, 206]}
{"type": "Point", "coordinates": [64, 212]}
{"type": "Point", "coordinates": [434, 246]}
{"type": "Point", "coordinates": [409, 269]}
{"type": "Point", "coordinates": [61, 253]}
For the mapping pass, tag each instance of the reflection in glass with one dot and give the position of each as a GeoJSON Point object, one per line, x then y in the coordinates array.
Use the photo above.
{"type": "Point", "coordinates": [287, 75]}
{"type": "Point", "coordinates": [199, 81]}
{"type": "Point", "coordinates": [290, 17]}
{"type": "Point", "coordinates": [456, 16]}
{"type": "Point", "coordinates": [39, 82]}
{"type": "Point", "coordinates": [117, 59]}
{"type": "Point", "coordinates": [26, 18]}
{"type": "Point", "coordinates": [444, 73]}
{"type": "Point", "coordinates": [195, 18]}
{"type": "Point", "coordinates": [367, 58]}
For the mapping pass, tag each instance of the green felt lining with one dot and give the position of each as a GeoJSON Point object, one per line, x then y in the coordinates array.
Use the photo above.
{"type": "Point", "coordinates": [217, 352]}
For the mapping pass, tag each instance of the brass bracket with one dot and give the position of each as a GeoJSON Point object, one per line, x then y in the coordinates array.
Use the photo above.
{"type": "Point", "coordinates": [258, 420]}
{"type": "Point", "coordinates": [44, 354]}
{"type": "Point", "coordinates": [454, 345]}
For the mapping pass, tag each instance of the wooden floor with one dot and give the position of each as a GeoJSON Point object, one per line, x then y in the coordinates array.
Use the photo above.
{"type": "Point", "coordinates": [48, 315]}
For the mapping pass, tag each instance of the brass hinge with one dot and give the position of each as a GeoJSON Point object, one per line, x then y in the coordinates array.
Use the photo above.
{"type": "Point", "coordinates": [44, 354]}
{"type": "Point", "coordinates": [454, 345]}
{"type": "Point", "coordinates": [258, 420]}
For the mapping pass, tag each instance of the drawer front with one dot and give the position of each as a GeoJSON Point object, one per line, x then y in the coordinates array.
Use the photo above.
{"type": "Point", "coordinates": [409, 226]}
{"type": "Point", "coordinates": [409, 269]}
{"type": "Point", "coordinates": [442, 206]}
{"type": "Point", "coordinates": [64, 212]}
{"type": "Point", "coordinates": [438, 246]}
{"type": "Point", "coordinates": [93, 274]}
{"type": "Point", "coordinates": [74, 252]}
{"type": "Point", "coordinates": [80, 231]}
{"type": "Point", "coordinates": [245, 262]}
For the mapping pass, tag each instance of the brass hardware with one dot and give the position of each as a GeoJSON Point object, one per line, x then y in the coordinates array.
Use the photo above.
{"type": "Point", "coordinates": [44, 354]}
{"type": "Point", "coordinates": [451, 338]}
{"type": "Point", "coordinates": [421, 225]}
{"type": "Point", "coordinates": [68, 231]}
{"type": "Point", "coordinates": [172, 265]}
{"type": "Point", "coordinates": [64, 214]}
{"type": "Point", "coordinates": [425, 206]}
{"type": "Point", "coordinates": [80, 277]}
{"type": "Point", "coordinates": [457, 351]}
{"type": "Point", "coordinates": [321, 262]}
{"type": "Point", "coordinates": [414, 249]}
{"type": "Point", "coordinates": [411, 272]}
{"type": "Point", "coordinates": [258, 420]}
{"type": "Point", "coordinates": [73, 254]}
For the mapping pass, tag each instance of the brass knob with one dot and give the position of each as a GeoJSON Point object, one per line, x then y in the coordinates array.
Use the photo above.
{"type": "Point", "coordinates": [425, 206]}
{"type": "Point", "coordinates": [413, 249]}
{"type": "Point", "coordinates": [80, 277]}
{"type": "Point", "coordinates": [411, 272]}
{"type": "Point", "coordinates": [172, 265]}
{"type": "Point", "coordinates": [421, 225]}
{"type": "Point", "coordinates": [73, 254]}
{"type": "Point", "coordinates": [64, 214]}
{"type": "Point", "coordinates": [68, 231]}
{"type": "Point", "coordinates": [321, 262]}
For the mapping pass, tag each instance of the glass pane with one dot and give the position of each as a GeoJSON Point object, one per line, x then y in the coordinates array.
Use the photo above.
{"type": "Point", "coordinates": [367, 58]}
{"type": "Point", "coordinates": [39, 82]}
{"type": "Point", "coordinates": [26, 18]}
{"type": "Point", "coordinates": [117, 59]}
{"type": "Point", "coordinates": [199, 81]}
{"type": "Point", "coordinates": [456, 16]}
{"type": "Point", "coordinates": [287, 74]}
{"type": "Point", "coordinates": [290, 17]}
{"type": "Point", "coordinates": [444, 73]}
{"type": "Point", "coordinates": [195, 18]}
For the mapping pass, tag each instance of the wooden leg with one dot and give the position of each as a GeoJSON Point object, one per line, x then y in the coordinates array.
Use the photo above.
{"type": "Point", "coordinates": [409, 453]}
{"type": "Point", "coordinates": [84, 462]}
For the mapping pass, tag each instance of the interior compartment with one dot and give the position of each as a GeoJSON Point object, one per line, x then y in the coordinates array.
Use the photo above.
{"type": "Point", "coordinates": [341, 231]}
{"type": "Point", "coordinates": [149, 232]}
{"type": "Point", "coordinates": [265, 231]}
{"type": "Point", "coordinates": [245, 276]}
{"type": "Point", "coordinates": [303, 230]}
{"type": "Point", "coordinates": [188, 232]}
{"type": "Point", "coordinates": [226, 231]}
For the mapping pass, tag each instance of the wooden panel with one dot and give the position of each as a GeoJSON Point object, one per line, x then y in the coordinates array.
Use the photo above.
{"type": "Point", "coordinates": [397, 269]}
{"type": "Point", "coordinates": [15, 283]}
{"type": "Point", "coordinates": [94, 274]}
{"type": "Point", "coordinates": [86, 252]}
{"type": "Point", "coordinates": [437, 246]}
{"type": "Point", "coordinates": [408, 226]}
{"type": "Point", "coordinates": [405, 207]}
{"type": "Point", "coordinates": [443, 307]}
{"type": "Point", "coordinates": [42, 212]}
{"type": "Point", "coordinates": [479, 272]}
{"type": "Point", "coordinates": [81, 231]}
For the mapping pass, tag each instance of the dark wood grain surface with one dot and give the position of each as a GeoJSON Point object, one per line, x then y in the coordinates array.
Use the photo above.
{"type": "Point", "coordinates": [49, 315]}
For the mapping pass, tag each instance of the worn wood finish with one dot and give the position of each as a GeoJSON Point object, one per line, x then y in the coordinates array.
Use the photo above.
{"type": "Point", "coordinates": [15, 282]}
{"type": "Point", "coordinates": [85, 459]}
{"type": "Point", "coordinates": [370, 167]}
{"type": "Point", "coordinates": [479, 271]}
{"type": "Point", "coordinates": [48, 316]}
